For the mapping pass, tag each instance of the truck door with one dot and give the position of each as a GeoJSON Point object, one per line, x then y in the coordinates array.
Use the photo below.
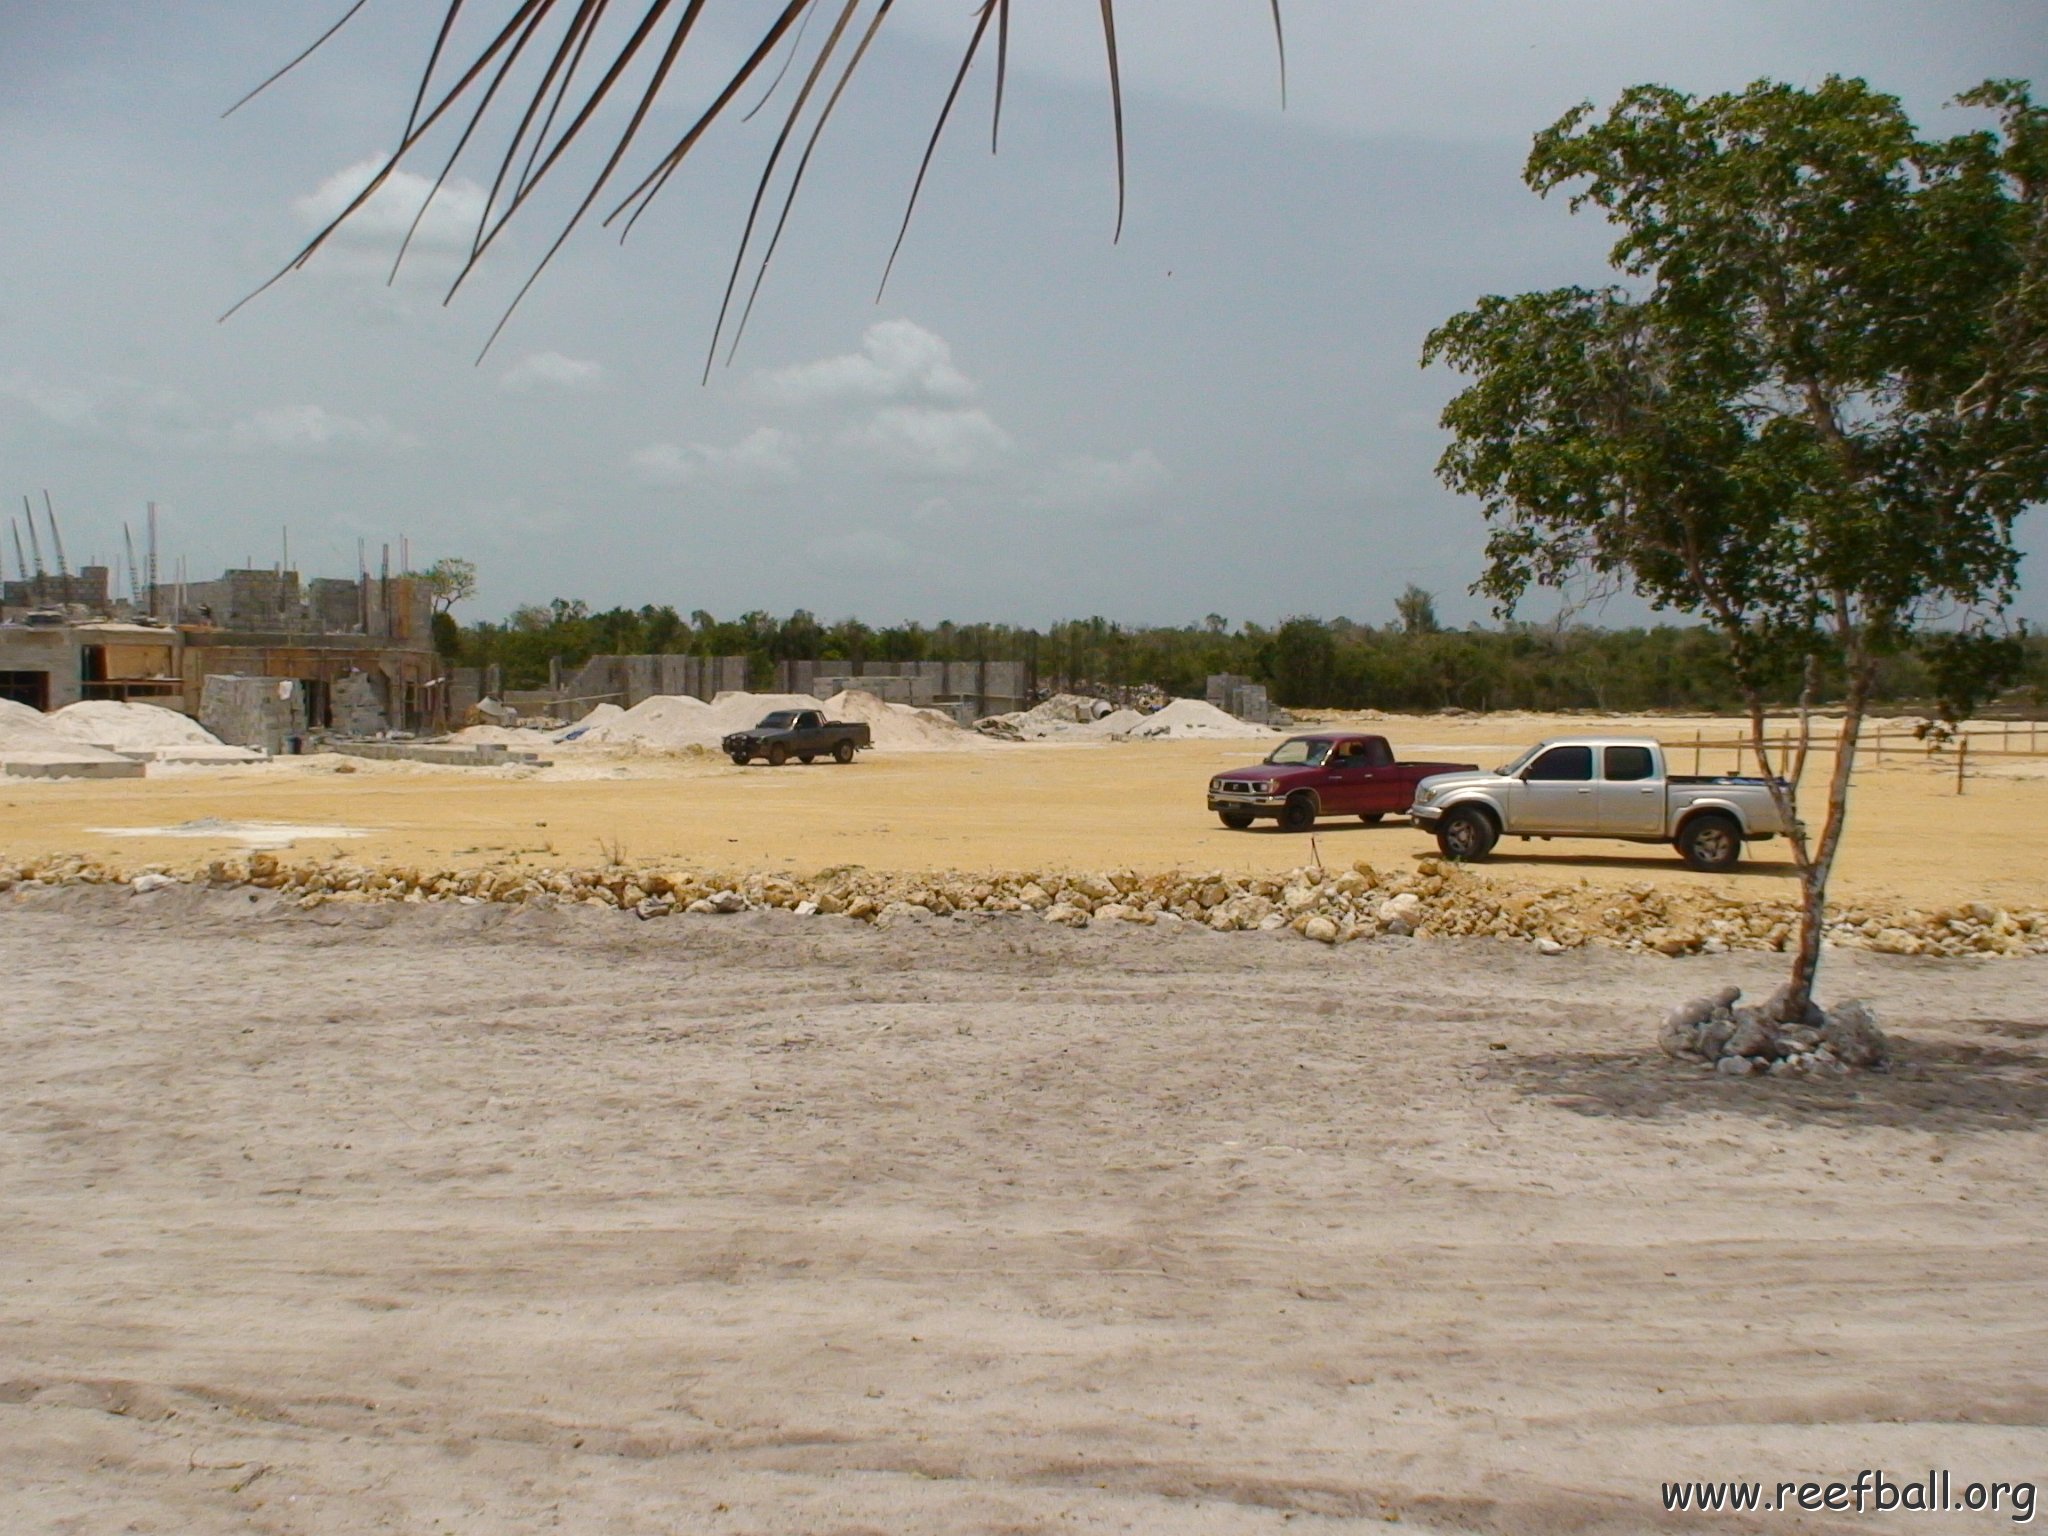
{"type": "Point", "coordinates": [1631, 793]}
{"type": "Point", "coordinates": [1347, 780]}
{"type": "Point", "coordinates": [1557, 793]}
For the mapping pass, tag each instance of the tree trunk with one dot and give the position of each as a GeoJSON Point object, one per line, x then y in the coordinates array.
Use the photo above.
{"type": "Point", "coordinates": [1813, 875]}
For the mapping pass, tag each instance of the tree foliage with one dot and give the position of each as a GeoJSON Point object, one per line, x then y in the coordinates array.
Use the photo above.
{"type": "Point", "coordinates": [1811, 411]}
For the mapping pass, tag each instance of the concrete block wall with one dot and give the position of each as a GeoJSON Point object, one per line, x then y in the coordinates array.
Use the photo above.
{"type": "Point", "coordinates": [268, 713]}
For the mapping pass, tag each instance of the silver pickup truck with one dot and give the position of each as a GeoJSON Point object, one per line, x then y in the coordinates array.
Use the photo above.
{"type": "Point", "coordinates": [1598, 786]}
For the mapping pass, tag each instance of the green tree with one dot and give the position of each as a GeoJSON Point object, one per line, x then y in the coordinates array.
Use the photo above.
{"type": "Point", "coordinates": [1417, 610]}
{"type": "Point", "coordinates": [449, 581]}
{"type": "Point", "coordinates": [1813, 413]}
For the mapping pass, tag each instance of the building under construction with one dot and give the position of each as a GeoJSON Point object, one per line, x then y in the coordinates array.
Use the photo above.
{"type": "Point", "coordinates": [361, 651]}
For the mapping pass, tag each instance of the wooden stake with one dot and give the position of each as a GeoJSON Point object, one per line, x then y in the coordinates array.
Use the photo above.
{"type": "Point", "coordinates": [1962, 757]}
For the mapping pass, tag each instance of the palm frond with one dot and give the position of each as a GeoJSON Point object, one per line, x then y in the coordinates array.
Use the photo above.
{"type": "Point", "coordinates": [534, 122]}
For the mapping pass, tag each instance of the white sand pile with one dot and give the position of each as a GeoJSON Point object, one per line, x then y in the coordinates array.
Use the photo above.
{"type": "Point", "coordinates": [1118, 722]}
{"type": "Point", "coordinates": [674, 722]}
{"type": "Point", "coordinates": [502, 736]}
{"type": "Point", "coordinates": [902, 727]}
{"type": "Point", "coordinates": [667, 720]}
{"type": "Point", "coordinates": [123, 727]}
{"type": "Point", "coordinates": [602, 714]}
{"type": "Point", "coordinates": [1195, 720]}
{"type": "Point", "coordinates": [29, 746]}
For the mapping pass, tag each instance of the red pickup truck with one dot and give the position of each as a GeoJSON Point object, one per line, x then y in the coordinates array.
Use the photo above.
{"type": "Point", "coordinates": [1329, 773]}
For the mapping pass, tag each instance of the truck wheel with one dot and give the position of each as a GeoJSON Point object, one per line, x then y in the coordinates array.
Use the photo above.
{"type": "Point", "coordinates": [1298, 814]}
{"type": "Point", "coordinates": [1466, 834]}
{"type": "Point", "coordinates": [1237, 821]}
{"type": "Point", "coordinates": [778, 754]}
{"type": "Point", "coordinates": [1711, 842]}
{"type": "Point", "coordinates": [740, 759]}
{"type": "Point", "coordinates": [842, 752]}
{"type": "Point", "coordinates": [805, 757]}
{"type": "Point", "coordinates": [1370, 817]}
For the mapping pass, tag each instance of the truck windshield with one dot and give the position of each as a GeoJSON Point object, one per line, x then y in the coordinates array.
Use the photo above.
{"type": "Point", "coordinates": [781, 720]}
{"type": "Point", "coordinates": [1516, 764]}
{"type": "Point", "coordinates": [1301, 752]}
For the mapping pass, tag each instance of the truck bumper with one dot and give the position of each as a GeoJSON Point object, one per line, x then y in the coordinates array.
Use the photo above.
{"type": "Point", "coordinates": [1261, 805]}
{"type": "Point", "coordinates": [1425, 815]}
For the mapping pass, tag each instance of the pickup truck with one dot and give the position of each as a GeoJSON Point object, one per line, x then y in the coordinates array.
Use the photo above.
{"type": "Point", "coordinates": [803, 734]}
{"type": "Point", "coordinates": [1598, 786]}
{"type": "Point", "coordinates": [1325, 774]}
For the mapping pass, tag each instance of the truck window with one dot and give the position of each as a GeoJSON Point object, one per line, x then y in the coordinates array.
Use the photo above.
{"type": "Point", "coordinates": [1562, 764]}
{"type": "Point", "coordinates": [1625, 765]}
{"type": "Point", "coordinates": [808, 719]}
{"type": "Point", "coordinates": [780, 720]}
{"type": "Point", "coordinates": [1302, 751]}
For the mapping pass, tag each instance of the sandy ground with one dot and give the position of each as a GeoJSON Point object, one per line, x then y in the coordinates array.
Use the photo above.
{"type": "Point", "coordinates": [505, 1220]}
{"type": "Point", "coordinates": [1913, 841]}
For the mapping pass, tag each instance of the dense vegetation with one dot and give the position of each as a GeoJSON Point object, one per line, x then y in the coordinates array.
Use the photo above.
{"type": "Point", "coordinates": [1412, 664]}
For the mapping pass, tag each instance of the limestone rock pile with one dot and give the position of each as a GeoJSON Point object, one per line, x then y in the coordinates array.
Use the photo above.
{"type": "Point", "coordinates": [1720, 1033]}
{"type": "Point", "coordinates": [1432, 899]}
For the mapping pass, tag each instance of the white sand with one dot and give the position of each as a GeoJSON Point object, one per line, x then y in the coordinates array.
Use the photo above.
{"type": "Point", "coordinates": [670, 722]}
{"type": "Point", "coordinates": [117, 726]}
{"type": "Point", "coordinates": [1196, 719]}
{"type": "Point", "coordinates": [402, 1218]}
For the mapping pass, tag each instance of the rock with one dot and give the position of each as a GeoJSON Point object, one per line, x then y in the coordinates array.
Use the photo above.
{"type": "Point", "coordinates": [1035, 896]}
{"type": "Point", "coordinates": [1713, 1035]}
{"type": "Point", "coordinates": [806, 909]}
{"type": "Point", "coordinates": [701, 906]}
{"type": "Point", "coordinates": [1321, 929]}
{"type": "Point", "coordinates": [1397, 928]}
{"type": "Point", "coordinates": [1546, 945]}
{"type": "Point", "coordinates": [1404, 908]}
{"type": "Point", "coordinates": [1271, 921]}
{"type": "Point", "coordinates": [1117, 912]}
{"type": "Point", "coordinates": [903, 912]}
{"type": "Point", "coordinates": [1067, 915]}
{"type": "Point", "coordinates": [1680, 1034]}
{"type": "Point", "coordinates": [1851, 1035]}
{"type": "Point", "coordinates": [1735, 1066]}
{"type": "Point", "coordinates": [1297, 898]}
{"type": "Point", "coordinates": [142, 885]}
{"type": "Point", "coordinates": [1751, 1037]}
{"type": "Point", "coordinates": [650, 906]}
{"type": "Point", "coordinates": [728, 901]}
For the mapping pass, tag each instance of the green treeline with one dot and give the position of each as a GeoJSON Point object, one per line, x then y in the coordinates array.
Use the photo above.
{"type": "Point", "coordinates": [1306, 662]}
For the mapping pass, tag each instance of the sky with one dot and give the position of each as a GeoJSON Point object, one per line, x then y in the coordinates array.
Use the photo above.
{"type": "Point", "coordinates": [1221, 412]}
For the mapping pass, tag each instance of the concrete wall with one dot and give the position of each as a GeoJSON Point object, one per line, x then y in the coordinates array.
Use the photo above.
{"type": "Point", "coordinates": [985, 687]}
{"type": "Point", "coordinates": [267, 713]}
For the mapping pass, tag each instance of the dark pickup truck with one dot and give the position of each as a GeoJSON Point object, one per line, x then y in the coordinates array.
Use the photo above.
{"type": "Point", "coordinates": [803, 734]}
{"type": "Point", "coordinates": [1326, 774]}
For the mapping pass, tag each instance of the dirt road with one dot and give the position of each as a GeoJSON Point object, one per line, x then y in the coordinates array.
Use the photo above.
{"type": "Point", "coordinates": [495, 1219]}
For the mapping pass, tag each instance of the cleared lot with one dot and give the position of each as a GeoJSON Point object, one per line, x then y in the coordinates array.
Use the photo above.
{"type": "Point", "coordinates": [521, 1220]}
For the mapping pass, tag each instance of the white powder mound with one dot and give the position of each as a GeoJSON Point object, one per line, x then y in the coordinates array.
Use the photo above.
{"type": "Point", "coordinates": [26, 735]}
{"type": "Point", "coordinates": [1118, 722]}
{"type": "Point", "coordinates": [21, 714]}
{"type": "Point", "coordinates": [602, 714]}
{"type": "Point", "coordinates": [124, 727]}
{"type": "Point", "coordinates": [1195, 720]}
{"type": "Point", "coordinates": [902, 727]}
{"type": "Point", "coordinates": [666, 720]}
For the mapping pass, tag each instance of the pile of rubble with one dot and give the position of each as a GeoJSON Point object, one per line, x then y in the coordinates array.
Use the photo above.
{"type": "Point", "coordinates": [1333, 906]}
{"type": "Point", "coordinates": [1719, 1033]}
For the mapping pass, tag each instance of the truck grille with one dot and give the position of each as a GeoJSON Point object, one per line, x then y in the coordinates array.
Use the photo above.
{"type": "Point", "coordinates": [1237, 786]}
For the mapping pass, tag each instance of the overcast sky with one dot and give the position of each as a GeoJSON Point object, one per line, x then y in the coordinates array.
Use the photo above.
{"type": "Point", "coordinates": [1221, 413]}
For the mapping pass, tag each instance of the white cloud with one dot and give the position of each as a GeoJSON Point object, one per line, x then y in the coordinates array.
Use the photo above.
{"type": "Point", "coordinates": [948, 444]}
{"type": "Point", "coordinates": [1089, 483]}
{"type": "Point", "coordinates": [765, 456]}
{"type": "Point", "coordinates": [862, 550]}
{"type": "Point", "coordinates": [313, 429]}
{"type": "Point", "coordinates": [449, 225]}
{"type": "Point", "coordinates": [898, 360]}
{"type": "Point", "coordinates": [551, 370]}
{"type": "Point", "coordinates": [73, 409]}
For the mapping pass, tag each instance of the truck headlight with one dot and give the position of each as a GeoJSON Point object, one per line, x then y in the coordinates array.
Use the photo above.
{"type": "Point", "coordinates": [1424, 796]}
{"type": "Point", "coordinates": [1267, 786]}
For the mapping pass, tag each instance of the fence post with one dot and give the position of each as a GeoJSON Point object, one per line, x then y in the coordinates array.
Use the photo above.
{"type": "Point", "coordinates": [1962, 756]}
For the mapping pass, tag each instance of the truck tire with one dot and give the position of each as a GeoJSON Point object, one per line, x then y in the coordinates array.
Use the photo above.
{"type": "Point", "coordinates": [740, 759]}
{"type": "Point", "coordinates": [778, 754]}
{"type": "Point", "coordinates": [1466, 834]}
{"type": "Point", "coordinates": [842, 752]}
{"type": "Point", "coordinates": [1711, 842]}
{"type": "Point", "coordinates": [1298, 814]}
{"type": "Point", "coordinates": [1237, 821]}
{"type": "Point", "coordinates": [805, 757]}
